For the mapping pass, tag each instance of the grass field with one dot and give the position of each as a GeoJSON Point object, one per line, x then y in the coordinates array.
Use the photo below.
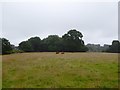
{"type": "Point", "coordinates": [0, 72]}
{"type": "Point", "coordinates": [69, 70]}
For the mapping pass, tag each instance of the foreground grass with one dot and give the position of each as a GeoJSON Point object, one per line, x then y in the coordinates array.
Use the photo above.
{"type": "Point", "coordinates": [0, 71]}
{"type": "Point", "coordinates": [50, 70]}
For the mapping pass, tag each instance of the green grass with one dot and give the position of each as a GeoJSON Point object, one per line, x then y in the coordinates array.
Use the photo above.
{"type": "Point", "coordinates": [69, 70]}
{"type": "Point", "coordinates": [0, 72]}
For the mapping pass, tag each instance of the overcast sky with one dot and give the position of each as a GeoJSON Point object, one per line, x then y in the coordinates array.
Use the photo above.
{"type": "Point", "coordinates": [97, 21]}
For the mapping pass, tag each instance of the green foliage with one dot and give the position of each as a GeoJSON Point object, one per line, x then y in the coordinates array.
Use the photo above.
{"type": "Point", "coordinates": [74, 34]}
{"type": "Point", "coordinates": [73, 42]}
{"type": "Point", "coordinates": [17, 51]}
{"type": "Point", "coordinates": [31, 45]}
{"type": "Point", "coordinates": [35, 43]}
{"type": "Point", "coordinates": [26, 46]}
{"type": "Point", "coordinates": [115, 47]}
{"type": "Point", "coordinates": [70, 42]}
{"type": "Point", "coordinates": [6, 46]}
{"type": "Point", "coordinates": [52, 43]}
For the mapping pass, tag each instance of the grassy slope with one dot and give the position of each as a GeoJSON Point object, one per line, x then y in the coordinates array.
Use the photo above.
{"type": "Point", "coordinates": [0, 72]}
{"type": "Point", "coordinates": [82, 70]}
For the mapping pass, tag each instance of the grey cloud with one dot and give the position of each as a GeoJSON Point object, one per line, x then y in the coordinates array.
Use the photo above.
{"type": "Point", "coordinates": [97, 21]}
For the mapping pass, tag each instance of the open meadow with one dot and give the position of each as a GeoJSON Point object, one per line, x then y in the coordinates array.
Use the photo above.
{"type": "Point", "coordinates": [0, 71]}
{"type": "Point", "coordinates": [51, 70]}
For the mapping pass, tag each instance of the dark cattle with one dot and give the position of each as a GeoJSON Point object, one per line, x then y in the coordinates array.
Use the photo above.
{"type": "Point", "coordinates": [62, 52]}
{"type": "Point", "coordinates": [57, 52]}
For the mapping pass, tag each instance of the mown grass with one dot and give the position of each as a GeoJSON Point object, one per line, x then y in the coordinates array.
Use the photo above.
{"type": "Point", "coordinates": [69, 70]}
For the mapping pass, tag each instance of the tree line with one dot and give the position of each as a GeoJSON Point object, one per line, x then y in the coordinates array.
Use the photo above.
{"type": "Point", "coordinates": [69, 42]}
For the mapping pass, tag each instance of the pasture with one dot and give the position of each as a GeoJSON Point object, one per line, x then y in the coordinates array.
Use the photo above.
{"type": "Point", "coordinates": [51, 70]}
{"type": "Point", "coordinates": [0, 71]}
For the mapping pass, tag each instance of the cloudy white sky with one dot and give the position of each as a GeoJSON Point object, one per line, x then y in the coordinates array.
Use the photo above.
{"type": "Point", "coordinates": [96, 20]}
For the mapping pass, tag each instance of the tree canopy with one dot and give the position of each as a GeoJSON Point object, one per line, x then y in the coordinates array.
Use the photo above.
{"type": "Point", "coordinates": [26, 46]}
{"type": "Point", "coordinates": [69, 42]}
{"type": "Point", "coordinates": [35, 43]}
{"type": "Point", "coordinates": [72, 41]}
{"type": "Point", "coordinates": [6, 46]}
{"type": "Point", "coordinates": [115, 47]}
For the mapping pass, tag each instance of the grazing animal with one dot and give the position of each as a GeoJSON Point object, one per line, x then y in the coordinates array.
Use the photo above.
{"type": "Point", "coordinates": [62, 52]}
{"type": "Point", "coordinates": [57, 52]}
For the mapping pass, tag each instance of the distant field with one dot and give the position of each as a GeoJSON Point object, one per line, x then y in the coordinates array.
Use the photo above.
{"type": "Point", "coordinates": [69, 70]}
